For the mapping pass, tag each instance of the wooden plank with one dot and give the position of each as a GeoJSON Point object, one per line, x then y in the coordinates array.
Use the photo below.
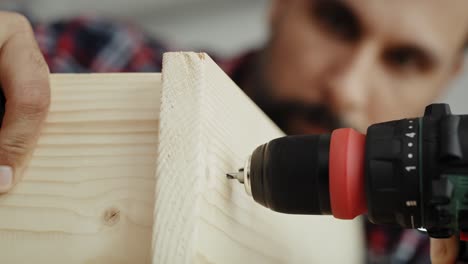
{"type": "Point", "coordinates": [208, 127]}
{"type": "Point", "coordinates": [87, 196]}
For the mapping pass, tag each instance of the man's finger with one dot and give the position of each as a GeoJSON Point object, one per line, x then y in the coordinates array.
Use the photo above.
{"type": "Point", "coordinates": [24, 76]}
{"type": "Point", "coordinates": [444, 251]}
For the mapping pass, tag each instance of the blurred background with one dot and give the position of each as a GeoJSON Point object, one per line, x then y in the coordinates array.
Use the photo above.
{"type": "Point", "coordinates": [221, 27]}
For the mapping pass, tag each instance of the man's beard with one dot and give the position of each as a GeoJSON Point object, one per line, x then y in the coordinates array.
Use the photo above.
{"type": "Point", "coordinates": [282, 111]}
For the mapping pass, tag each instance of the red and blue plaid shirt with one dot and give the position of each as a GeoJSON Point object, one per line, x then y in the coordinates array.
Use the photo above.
{"type": "Point", "coordinates": [91, 44]}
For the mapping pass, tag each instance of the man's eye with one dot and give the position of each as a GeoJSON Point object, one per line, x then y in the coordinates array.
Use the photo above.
{"type": "Point", "coordinates": [406, 59]}
{"type": "Point", "coordinates": [336, 18]}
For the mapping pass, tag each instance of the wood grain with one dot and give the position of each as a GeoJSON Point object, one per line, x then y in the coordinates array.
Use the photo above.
{"type": "Point", "coordinates": [87, 195]}
{"type": "Point", "coordinates": [91, 195]}
{"type": "Point", "coordinates": [208, 126]}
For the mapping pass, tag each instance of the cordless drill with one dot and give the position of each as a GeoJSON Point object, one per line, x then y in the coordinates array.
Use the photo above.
{"type": "Point", "coordinates": [411, 173]}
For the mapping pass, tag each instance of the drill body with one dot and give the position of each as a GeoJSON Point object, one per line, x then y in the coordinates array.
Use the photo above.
{"type": "Point", "coordinates": [411, 173]}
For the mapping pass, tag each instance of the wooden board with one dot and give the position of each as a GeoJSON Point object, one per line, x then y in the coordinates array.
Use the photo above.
{"type": "Point", "coordinates": [87, 196]}
{"type": "Point", "coordinates": [207, 128]}
{"type": "Point", "coordinates": [91, 195]}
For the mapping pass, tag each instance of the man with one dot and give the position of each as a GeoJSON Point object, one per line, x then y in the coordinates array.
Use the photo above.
{"type": "Point", "coordinates": [328, 63]}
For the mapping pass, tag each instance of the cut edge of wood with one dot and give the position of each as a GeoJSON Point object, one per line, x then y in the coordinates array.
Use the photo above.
{"type": "Point", "coordinates": [179, 96]}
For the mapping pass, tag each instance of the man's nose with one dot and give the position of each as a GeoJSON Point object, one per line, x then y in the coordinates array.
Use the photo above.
{"type": "Point", "coordinates": [349, 80]}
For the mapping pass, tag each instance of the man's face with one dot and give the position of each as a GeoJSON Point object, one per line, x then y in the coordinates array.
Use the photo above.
{"type": "Point", "coordinates": [364, 61]}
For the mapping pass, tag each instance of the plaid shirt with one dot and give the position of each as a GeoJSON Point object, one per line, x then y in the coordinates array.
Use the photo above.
{"type": "Point", "coordinates": [90, 44]}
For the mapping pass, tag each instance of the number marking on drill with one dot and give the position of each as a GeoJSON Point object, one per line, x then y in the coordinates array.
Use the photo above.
{"type": "Point", "coordinates": [411, 135]}
{"type": "Point", "coordinates": [410, 168]}
{"type": "Point", "coordinates": [411, 203]}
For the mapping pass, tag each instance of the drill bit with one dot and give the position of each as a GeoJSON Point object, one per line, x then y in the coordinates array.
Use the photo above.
{"type": "Point", "coordinates": [243, 176]}
{"type": "Point", "coordinates": [236, 175]}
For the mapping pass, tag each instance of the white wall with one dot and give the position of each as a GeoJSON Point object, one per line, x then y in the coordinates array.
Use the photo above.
{"type": "Point", "coordinates": [458, 94]}
{"type": "Point", "coordinates": [227, 27]}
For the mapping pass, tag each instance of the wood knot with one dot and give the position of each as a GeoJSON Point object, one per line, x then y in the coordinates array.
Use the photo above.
{"type": "Point", "coordinates": [111, 216]}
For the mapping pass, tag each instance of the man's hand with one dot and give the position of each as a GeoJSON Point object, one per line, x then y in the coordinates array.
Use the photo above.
{"type": "Point", "coordinates": [444, 251]}
{"type": "Point", "coordinates": [24, 76]}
